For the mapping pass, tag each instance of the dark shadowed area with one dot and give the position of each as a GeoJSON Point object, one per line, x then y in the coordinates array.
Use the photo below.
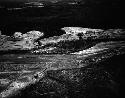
{"type": "Point", "coordinates": [51, 15]}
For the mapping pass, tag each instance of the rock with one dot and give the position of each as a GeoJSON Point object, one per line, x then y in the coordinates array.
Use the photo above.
{"type": "Point", "coordinates": [77, 30]}
{"type": "Point", "coordinates": [20, 41]}
{"type": "Point", "coordinates": [75, 39]}
{"type": "Point", "coordinates": [78, 39]}
{"type": "Point", "coordinates": [29, 35]}
{"type": "Point", "coordinates": [28, 41]}
{"type": "Point", "coordinates": [18, 35]}
{"type": "Point", "coordinates": [33, 34]}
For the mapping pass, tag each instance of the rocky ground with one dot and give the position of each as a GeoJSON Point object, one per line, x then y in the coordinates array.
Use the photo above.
{"type": "Point", "coordinates": [82, 63]}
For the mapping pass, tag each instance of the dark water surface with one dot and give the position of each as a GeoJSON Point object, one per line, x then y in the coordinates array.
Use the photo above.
{"type": "Point", "coordinates": [50, 17]}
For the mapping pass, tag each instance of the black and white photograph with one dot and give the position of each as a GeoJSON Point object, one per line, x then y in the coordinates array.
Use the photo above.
{"type": "Point", "coordinates": [62, 48]}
